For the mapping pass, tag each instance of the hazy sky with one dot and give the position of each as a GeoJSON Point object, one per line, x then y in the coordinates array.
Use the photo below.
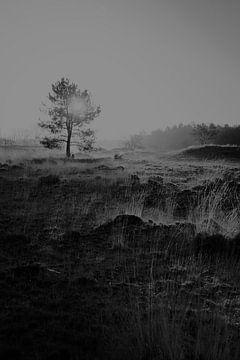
{"type": "Point", "coordinates": [149, 63]}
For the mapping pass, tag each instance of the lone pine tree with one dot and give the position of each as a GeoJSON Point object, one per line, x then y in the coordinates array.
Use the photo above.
{"type": "Point", "coordinates": [69, 112]}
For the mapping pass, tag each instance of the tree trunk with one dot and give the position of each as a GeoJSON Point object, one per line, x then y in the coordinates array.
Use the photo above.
{"type": "Point", "coordinates": [68, 147]}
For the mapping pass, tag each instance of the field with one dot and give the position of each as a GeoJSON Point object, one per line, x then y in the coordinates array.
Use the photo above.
{"type": "Point", "coordinates": [134, 257]}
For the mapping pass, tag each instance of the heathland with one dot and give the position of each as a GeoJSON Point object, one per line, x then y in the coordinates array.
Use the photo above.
{"type": "Point", "coordinates": [117, 255]}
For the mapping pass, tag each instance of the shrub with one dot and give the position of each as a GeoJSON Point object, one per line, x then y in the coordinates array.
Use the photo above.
{"type": "Point", "coordinates": [49, 180]}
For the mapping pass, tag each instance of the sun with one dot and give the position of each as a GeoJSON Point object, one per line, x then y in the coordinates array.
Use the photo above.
{"type": "Point", "coordinates": [78, 106]}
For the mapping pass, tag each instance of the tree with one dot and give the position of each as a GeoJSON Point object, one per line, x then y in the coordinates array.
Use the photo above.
{"type": "Point", "coordinates": [135, 142]}
{"type": "Point", "coordinates": [205, 133]}
{"type": "Point", "coordinates": [69, 111]}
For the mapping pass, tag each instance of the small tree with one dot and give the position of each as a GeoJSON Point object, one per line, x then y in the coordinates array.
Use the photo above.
{"type": "Point", "coordinates": [204, 133]}
{"type": "Point", "coordinates": [69, 111]}
{"type": "Point", "coordinates": [135, 142]}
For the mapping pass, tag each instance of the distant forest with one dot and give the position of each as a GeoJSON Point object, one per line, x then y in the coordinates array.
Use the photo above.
{"type": "Point", "coordinates": [172, 138]}
{"type": "Point", "coordinates": [181, 136]}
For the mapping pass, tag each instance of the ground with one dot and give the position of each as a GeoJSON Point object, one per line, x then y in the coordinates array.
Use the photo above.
{"type": "Point", "coordinates": [133, 257]}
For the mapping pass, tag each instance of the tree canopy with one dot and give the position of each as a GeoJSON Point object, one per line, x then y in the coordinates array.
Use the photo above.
{"type": "Point", "coordinates": [205, 133]}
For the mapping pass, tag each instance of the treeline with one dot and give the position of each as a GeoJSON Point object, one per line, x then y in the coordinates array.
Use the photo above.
{"type": "Point", "coordinates": [181, 136]}
{"type": "Point", "coordinates": [172, 138]}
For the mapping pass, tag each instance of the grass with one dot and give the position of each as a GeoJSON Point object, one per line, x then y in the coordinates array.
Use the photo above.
{"type": "Point", "coordinates": [165, 323]}
{"type": "Point", "coordinates": [20, 153]}
{"type": "Point", "coordinates": [210, 214]}
{"type": "Point", "coordinates": [79, 282]}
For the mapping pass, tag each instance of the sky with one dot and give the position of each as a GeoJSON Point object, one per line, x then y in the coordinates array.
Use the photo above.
{"type": "Point", "coordinates": [148, 63]}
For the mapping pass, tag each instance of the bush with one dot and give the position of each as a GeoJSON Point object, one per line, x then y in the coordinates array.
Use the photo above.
{"type": "Point", "coordinates": [49, 180]}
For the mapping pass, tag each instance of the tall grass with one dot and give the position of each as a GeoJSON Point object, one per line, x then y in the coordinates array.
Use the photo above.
{"type": "Point", "coordinates": [211, 217]}
{"type": "Point", "coordinates": [175, 321]}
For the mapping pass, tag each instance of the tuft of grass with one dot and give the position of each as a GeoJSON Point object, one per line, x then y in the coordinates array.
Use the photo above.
{"type": "Point", "coordinates": [211, 217]}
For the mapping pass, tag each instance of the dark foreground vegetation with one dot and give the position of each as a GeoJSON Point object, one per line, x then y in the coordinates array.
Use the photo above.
{"type": "Point", "coordinates": [132, 258]}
